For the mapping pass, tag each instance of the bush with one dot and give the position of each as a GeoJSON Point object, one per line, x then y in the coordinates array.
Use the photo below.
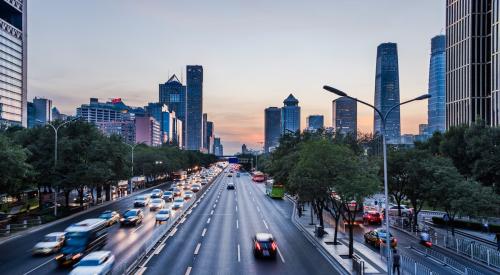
{"type": "Point", "coordinates": [469, 225]}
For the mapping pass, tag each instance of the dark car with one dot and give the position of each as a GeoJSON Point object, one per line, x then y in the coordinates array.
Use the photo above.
{"type": "Point", "coordinates": [177, 192]}
{"type": "Point", "coordinates": [372, 217]}
{"type": "Point", "coordinates": [378, 237]}
{"type": "Point", "coordinates": [132, 217]}
{"type": "Point", "coordinates": [111, 217]}
{"type": "Point", "coordinates": [264, 245]}
{"type": "Point", "coordinates": [230, 186]}
{"type": "Point", "coordinates": [168, 196]}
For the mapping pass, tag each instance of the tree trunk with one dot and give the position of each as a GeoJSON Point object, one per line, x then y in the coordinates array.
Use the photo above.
{"type": "Point", "coordinates": [337, 219]}
{"type": "Point", "coordinates": [99, 192]}
{"type": "Point", "coordinates": [320, 215]}
{"type": "Point", "coordinates": [80, 195]}
{"type": "Point", "coordinates": [66, 197]}
{"type": "Point", "coordinates": [351, 240]}
{"type": "Point", "coordinates": [107, 193]}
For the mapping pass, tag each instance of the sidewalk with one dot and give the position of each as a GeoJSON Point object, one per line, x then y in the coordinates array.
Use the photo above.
{"type": "Point", "coordinates": [340, 252]}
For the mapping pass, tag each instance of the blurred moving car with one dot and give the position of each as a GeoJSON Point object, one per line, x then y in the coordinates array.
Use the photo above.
{"type": "Point", "coordinates": [188, 195]}
{"type": "Point", "coordinates": [168, 196]}
{"type": "Point", "coordinates": [132, 217]}
{"type": "Point", "coordinates": [99, 262]}
{"type": "Point", "coordinates": [51, 243]}
{"type": "Point", "coordinates": [372, 217]}
{"type": "Point", "coordinates": [178, 203]}
{"type": "Point", "coordinates": [156, 193]}
{"type": "Point", "coordinates": [111, 217]}
{"type": "Point", "coordinates": [177, 192]}
{"type": "Point", "coordinates": [264, 245]}
{"type": "Point", "coordinates": [377, 238]}
{"type": "Point", "coordinates": [230, 186]}
{"type": "Point", "coordinates": [230, 175]}
{"type": "Point", "coordinates": [238, 174]}
{"type": "Point", "coordinates": [156, 204]}
{"type": "Point", "coordinates": [195, 187]}
{"type": "Point", "coordinates": [163, 215]}
{"type": "Point", "coordinates": [141, 200]}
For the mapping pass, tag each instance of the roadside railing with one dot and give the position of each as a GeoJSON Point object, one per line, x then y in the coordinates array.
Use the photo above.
{"type": "Point", "coordinates": [13, 227]}
{"type": "Point", "coordinates": [411, 267]}
{"type": "Point", "coordinates": [358, 265]}
{"type": "Point", "coordinates": [447, 261]}
{"type": "Point", "coordinates": [474, 250]}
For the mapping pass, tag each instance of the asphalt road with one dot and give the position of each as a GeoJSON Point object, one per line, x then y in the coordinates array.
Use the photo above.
{"type": "Point", "coordinates": [216, 236]}
{"type": "Point", "coordinates": [16, 258]}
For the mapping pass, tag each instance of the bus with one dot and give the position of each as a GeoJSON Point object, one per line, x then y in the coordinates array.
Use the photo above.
{"type": "Point", "coordinates": [275, 190]}
{"type": "Point", "coordinates": [258, 177]}
{"type": "Point", "coordinates": [82, 238]}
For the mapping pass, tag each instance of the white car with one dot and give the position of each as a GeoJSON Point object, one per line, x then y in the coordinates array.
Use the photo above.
{"type": "Point", "coordinates": [141, 200]}
{"type": "Point", "coordinates": [405, 211]}
{"type": "Point", "coordinates": [163, 215]}
{"type": "Point", "coordinates": [178, 203]}
{"type": "Point", "coordinates": [156, 204]}
{"type": "Point", "coordinates": [51, 243]}
{"type": "Point", "coordinates": [99, 262]}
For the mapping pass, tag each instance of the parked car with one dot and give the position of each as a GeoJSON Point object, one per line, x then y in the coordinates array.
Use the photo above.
{"type": "Point", "coordinates": [51, 243]}
{"type": "Point", "coordinates": [111, 217]}
{"type": "Point", "coordinates": [405, 211]}
{"type": "Point", "coordinates": [99, 262]}
{"type": "Point", "coordinates": [377, 238]}
{"type": "Point", "coordinates": [177, 192]}
{"type": "Point", "coordinates": [132, 217]}
{"type": "Point", "coordinates": [163, 215]}
{"type": "Point", "coordinates": [156, 204]}
{"type": "Point", "coordinates": [188, 195]}
{"type": "Point", "coordinates": [264, 245]}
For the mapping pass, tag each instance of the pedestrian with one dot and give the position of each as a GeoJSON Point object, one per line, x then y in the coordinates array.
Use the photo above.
{"type": "Point", "coordinates": [396, 262]}
{"type": "Point", "coordinates": [497, 237]}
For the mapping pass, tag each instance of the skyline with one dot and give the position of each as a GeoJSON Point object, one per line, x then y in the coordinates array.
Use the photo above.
{"type": "Point", "coordinates": [244, 55]}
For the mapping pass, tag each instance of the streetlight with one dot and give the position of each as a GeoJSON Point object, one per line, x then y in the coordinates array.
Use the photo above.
{"type": "Point", "coordinates": [386, 189]}
{"type": "Point", "coordinates": [132, 168]}
{"type": "Point", "coordinates": [56, 131]}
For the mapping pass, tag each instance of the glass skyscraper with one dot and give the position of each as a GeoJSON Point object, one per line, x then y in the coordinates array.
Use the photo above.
{"type": "Point", "coordinates": [345, 116]}
{"type": "Point", "coordinates": [436, 119]}
{"type": "Point", "coordinates": [495, 63]}
{"type": "Point", "coordinates": [173, 93]}
{"type": "Point", "coordinates": [272, 128]}
{"type": "Point", "coordinates": [387, 91]}
{"type": "Point", "coordinates": [194, 107]}
{"type": "Point", "coordinates": [290, 115]}
{"type": "Point", "coordinates": [315, 122]}
{"type": "Point", "coordinates": [13, 63]}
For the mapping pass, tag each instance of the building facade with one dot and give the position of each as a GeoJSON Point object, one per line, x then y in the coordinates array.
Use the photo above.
{"type": "Point", "coordinates": [436, 105]}
{"type": "Point", "coordinates": [345, 116]}
{"type": "Point", "coordinates": [43, 110]}
{"type": "Point", "coordinates": [147, 131]}
{"type": "Point", "coordinates": [13, 63]}
{"type": "Point", "coordinates": [315, 122]}
{"type": "Point", "coordinates": [468, 61]}
{"type": "Point", "coordinates": [495, 61]}
{"type": "Point", "coordinates": [194, 107]}
{"type": "Point", "coordinates": [387, 91]}
{"type": "Point", "coordinates": [218, 148]}
{"type": "Point", "coordinates": [204, 133]}
{"type": "Point", "coordinates": [210, 136]}
{"type": "Point", "coordinates": [173, 94]}
{"type": "Point", "coordinates": [272, 128]}
{"type": "Point", "coordinates": [290, 115]}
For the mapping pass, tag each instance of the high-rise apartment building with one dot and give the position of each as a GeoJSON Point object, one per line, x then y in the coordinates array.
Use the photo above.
{"type": "Point", "coordinates": [290, 115]}
{"type": "Point", "coordinates": [387, 91]}
{"type": "Point", "coordinates": [345, 116]}
{"type": "Point", "coordinates": [210, 136]}
{"type": "Point", "coordinates": [147, 131]}
{"type": "Point", "coordinates": [272, 128]}
{"type": "Point", "coordinates": [204, 132]}
{"type": "Point", "coordinates": [469, 71]}
{"type": "Point", "coordinates": [495, 61]}
{"type": "Point", "coordinates": [194, 107]}
{"type": "Point", "coordinates": [436, 105]}
{"type": "Point", "coordinates": [173, 93]}
{"type": "Point", "coordinates": [13, 63]}
{"type": "Point", "coordinates": [315, 122]}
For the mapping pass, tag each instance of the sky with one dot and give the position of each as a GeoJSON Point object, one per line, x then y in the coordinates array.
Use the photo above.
{"type": "Point", "coordinates": [254, 54]}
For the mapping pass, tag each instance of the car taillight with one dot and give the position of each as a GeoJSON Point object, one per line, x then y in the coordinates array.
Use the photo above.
{"type": "Point", "coordinates": [257, 245]}
{"type": "Point", "coordinates": [274, 246]}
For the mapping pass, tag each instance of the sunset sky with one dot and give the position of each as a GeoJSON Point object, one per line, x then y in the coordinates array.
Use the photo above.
{"type": "Point", "coordinates": [254, 54]}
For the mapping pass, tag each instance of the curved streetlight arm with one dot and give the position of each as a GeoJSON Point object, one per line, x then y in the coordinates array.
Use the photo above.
{"type": "Point", "coordinates": [402, 103]}
{"type": "Point", "coordinates": [340, 93]}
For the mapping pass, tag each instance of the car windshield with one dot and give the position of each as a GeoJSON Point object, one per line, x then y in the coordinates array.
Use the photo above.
{"type": "Point", "coordinates": [105, 215]}
{"type": "Point", "coordinates": [265, 245]}
{"type": "Point", "coordinates": [76, 238]}
{"type": "Point", "coordinates": [49, 239]}
{"type": "Point", "coordinates": [92, 262]}
{"type": "Point", "coordinates": [374, 214]}
{"type": "Point", "coordinates": [179, 200]}
{"type": "Point", "coordinates": [130, 214]}
{"type": "Point", "coordinates": [157, 201]}
{"type": "Point", "coordinates": [140, 198]}
{"type": "Point", "coordinates": [163, 212]}
{"type": "Point", "coordinates": [168, 193]}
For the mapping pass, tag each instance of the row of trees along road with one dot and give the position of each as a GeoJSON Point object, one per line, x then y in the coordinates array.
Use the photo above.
{"type": "Point", "coordinates": [86, 158]}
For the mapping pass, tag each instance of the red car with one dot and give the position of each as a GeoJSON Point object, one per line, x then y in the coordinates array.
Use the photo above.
{"type": "Point", "coordinates": [372, 217]}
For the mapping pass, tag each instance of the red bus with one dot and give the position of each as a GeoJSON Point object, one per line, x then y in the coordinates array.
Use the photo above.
{"type": "Point", "coordinates": [258, 177]}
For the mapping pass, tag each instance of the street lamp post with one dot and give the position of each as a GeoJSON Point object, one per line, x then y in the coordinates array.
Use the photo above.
{"type": "Point", "coordinates": [132, 147]}
{"type": "Point", "coordinates": [384, 146]}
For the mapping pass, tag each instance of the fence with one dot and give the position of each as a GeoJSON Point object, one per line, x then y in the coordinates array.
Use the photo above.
{"type": "Point", "coordinates": [473, 250]}
{"type": "Point", "coordinates": [452, 263]}
{"type": "Point", "coordinates": [10, 228]}
{"type": "Point", "coordinates": [358, 265]}
{"type": "Point", "coordinates": [412, 267]}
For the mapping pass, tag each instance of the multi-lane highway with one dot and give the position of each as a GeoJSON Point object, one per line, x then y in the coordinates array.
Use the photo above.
{"type": "Point", "coordinates": [216, 236]}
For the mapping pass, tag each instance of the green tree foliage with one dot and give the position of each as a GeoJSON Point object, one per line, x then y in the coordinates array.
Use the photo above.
{"type": "Point", "coordinates": [16, 173]}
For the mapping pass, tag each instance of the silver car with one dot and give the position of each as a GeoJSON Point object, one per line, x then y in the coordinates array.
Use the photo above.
{"type": "Point", "coordinates": [99, 262]}
{"type": "Point", "coordinates": [51, 243]}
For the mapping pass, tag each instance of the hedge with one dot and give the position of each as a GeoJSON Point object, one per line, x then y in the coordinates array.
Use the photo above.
{"type": "Point", "coordinates": [469, 225]}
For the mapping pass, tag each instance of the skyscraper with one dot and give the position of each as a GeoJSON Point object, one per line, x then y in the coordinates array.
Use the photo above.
{"type": "Point", "coordinates": [43, 110]}
{"type": "Point", "coordinates": [210, 136]}
{"type": "Point", "coordinates": [218, 148]}
{"type": "Point", "coordinates": [468, 61]}
{"type": "Point", "coordinates": [173, 93]}
{"type": "Point", "coordinates": [13, 63]}
{"type": "Point", "coordinates": [495, 61]}
{"type": "Point", "coordinates": [387, 91]}
{"type": "Point", "coordinates": [345, 116]}
{"type": "Point", "coordinates": [315, 122]}
{"type": "Point", "coordinates": [272, 128]}
{"type": "Point", "coordinates": [194, 107]}
{"type": "Point", "coordinates": [204, 132]}
{"type": "Point", "coordinates": [290, 115]}
{"type": "Point", "coordinates": [436, 116]}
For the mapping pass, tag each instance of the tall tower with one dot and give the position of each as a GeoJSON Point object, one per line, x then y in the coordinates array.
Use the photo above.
{"type": "Point", "coordinates": [173, 94]}
{"type": "Point", "coordinates": [436, 117]}
{"type": "Point", "coordinates": [13, 62]}
{"type": "Point", "coordinates": [387, 91]}
{"type": "Point", "coordinates": [272, 128]}
{"type": "Point", "coordinates": [194, 107]}
{"type": "Point", "coordinates": [345, 116]}
{"type": "Point", "coordinates": [290, 115]}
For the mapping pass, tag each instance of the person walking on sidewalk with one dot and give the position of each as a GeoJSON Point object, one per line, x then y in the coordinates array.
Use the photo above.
{"type": "Point", "coordinates": [396, 262]}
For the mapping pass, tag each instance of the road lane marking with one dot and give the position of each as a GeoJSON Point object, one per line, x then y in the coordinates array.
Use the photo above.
{"type": "Point", "coordinates": [236, 208]}
{"type": "Point", "coordinates": [140, 226]}
{"type": "Point", "coordinates": [173, 232]}
{"type": "Point", "coordinates": [258, 209]}
{"type": "Point", "coordinates": [208, 221]}
{"type": "Point", "coordinates": [237, 224]}
{"type": "Point", "coordinates": [159, 249]}
{"type": "Point", "coordinates": [265, 224]}
{"type": "Point", "coordinates": [188, 270]}
{"type": "Point", "coordinates": [281, 256]}
{"type": "Point", "coordinates": [215, 205]}
{"type": "Point", "coordinates": [197, 249]}
{"type": "Point", "coordinates": [239, 256]}
{"type": "Point", "coordinates": [204, 232]}
{"type": "Point", "coordinates": [141, 270]}
{"type": "Point", "coordinates": [189, 212]}
{"type": "Point", "coordinates": [212, 212]}
{"type": "Point", "coordinates": [182, 220]}
{"type": "Point", "coordinates": [51, 259]}
{"type": "Point", "coordinates": [253, 198]}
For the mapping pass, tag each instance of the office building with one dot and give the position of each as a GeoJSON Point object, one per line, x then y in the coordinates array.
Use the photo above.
{"type": "Point", "coordinates": [173, 94]}
{"type": "Point", "coordinates": [97, 111]}
{"type": "Point", "coordinates": [290, 115]}
{"type": "Point", "coordinates": [436, 105]}
{"type": "Point", "coordinates": [345, 116]}
{"type": "Point", "coordinates": [272, 128]}
{"type": "Point", "coordinates": [495, 61]}
{"type": "Point", "coordinates": [210, 137]}
{"type": "Point", "coordinates": [244, 149]}
{"type": "Point", "coordinates": [13, 63]}
{"type": "Point", "coordinates": [147, 131]}
{"type": "Point", "coordinates": [57, 115]}
{"type": "Point", "coordinates": [194, 107]}
{"type": "Point", "coordinates": [387, 92]}
{"type": "Point", "coordinates": [31, 115]}
{"type": "Point", "coordinates": [315, 122]}
{"type": "Point", "coordinates": [470, 47]}
{"type": "Point", "coordinates": [204, 133]}
{"type": "Point", "coordinates": [39, 112]}
{"type": "Point", "coordinates": [408, 139]}
{"type": "Point", "coordinates": [218, 148]}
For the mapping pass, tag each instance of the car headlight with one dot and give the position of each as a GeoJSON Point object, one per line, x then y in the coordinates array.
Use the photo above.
{"type": "Point", "coordinates": [122, 219]}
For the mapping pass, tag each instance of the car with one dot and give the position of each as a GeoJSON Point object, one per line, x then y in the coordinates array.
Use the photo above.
{"type": "Point", "coordinates": [178, 203]}
{"type": "Point", "coordinates": [405, 211]}
{"type": "Point", "coordinates": [177, 192]}
{"type": "Point", "coordinates": [230, 186]}
{"type": "Point", "coordinates": [230, 175]}
{"type": "Point", "coordinates": [111, 217]}
{"type": "Point", "coordinates": [180, 183]}
{"type": "Point", "coordinates": [168, 196]}
{"type": "Point", "coordinates": [156, 204]}
{"type": "Point", "coordinates": [141, 200]}
{"type": "Point", "coordinates": [264, 245]}
{"type": "Point", "coordinates": [156, 193]}
{"type": "Point", "coordinates": [377, 238]}
{"type": "Point", "coordinates": [204, 182]}
{"type": "Point", "coordinates": [163, 215]}
{"type": "Point", "coordinates": [51, 243]}
{"type": "Point", "coordinates": [132, 217]}
{"type": "Point", "coordinates": [238, 175]}
{"type": "Point", "coordinates": [188, 195]}
{"type": "Point", "coordinates": [371, 217]}
{"type": "Point", "coordinates": [186, 187]}
{"type": "Point", "coordinates": [99, 262]}
{"type": "Point", "coordinates": [195, 188]}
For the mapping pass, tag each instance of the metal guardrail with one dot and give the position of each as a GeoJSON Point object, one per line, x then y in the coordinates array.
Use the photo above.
{"type": "Point", "coordinates": [358, 265]}
{"type": "Point", "coordinates": [447, 261]}
{"type": "Point", "coordinates": [474, 250]}
{"type": "Point", "coordinates": [9, 228]}
{"type": "Point", "coordinates": [412, 267]}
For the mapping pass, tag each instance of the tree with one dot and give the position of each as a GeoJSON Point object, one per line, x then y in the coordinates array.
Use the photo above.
{"type": "Point", "coordinates": [398, 177]}
{"type": "Point", "coordinates": [15, 171]}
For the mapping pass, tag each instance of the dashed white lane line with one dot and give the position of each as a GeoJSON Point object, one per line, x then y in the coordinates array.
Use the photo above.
{"type": "Point", "coordinates": [236, 208]}
{"type": "Point", "coordinates": [265, 224]}
{"type": "Point", "coordinates": [212, 212]}
{"type": "Point", "coordinates": [188, 270]}
{"type": "Point", "coordinates": [237, 224]}
{"type": "Point", "coordinates": [141, 270]}
{"type": "Point", "coordinates": [204, 232]}
{"type": "Point", "coordinates": [182, 220]}
{"type": "Point", "coordinates": [258, 209]}
{"type": "Point", "coordinates": [159, 249]}
{"type": "Point", "coordinates": [173, 232]}
{"type": "Point", "coordinates": [239, 254]}
{"type": "Point", "coordinates": [140, 226]}
{"type": "Point", "coordinates": [209, 219]}
{"type": "Point", "coordinates": [197, 249]}
{"type": "Point", "coordinates": [215, 205]}
{"type": "Point", "coordinates": [253, 198]}
{"type": "Point", "coordinates": [50, 260]}
{"type": "Point", "coordinates": [281, 256]}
